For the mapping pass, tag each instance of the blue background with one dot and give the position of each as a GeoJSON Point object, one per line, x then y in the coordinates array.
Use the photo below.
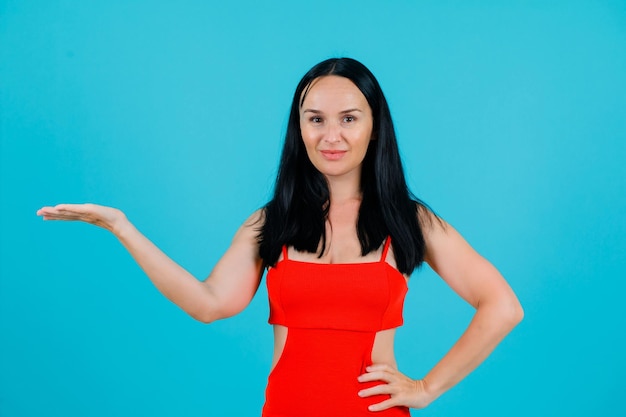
{"type": "Point", "coordinates": [511, 119]}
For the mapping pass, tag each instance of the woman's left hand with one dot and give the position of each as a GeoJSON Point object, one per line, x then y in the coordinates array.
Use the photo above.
{"type": "Point", "coordinates": [403, 390]}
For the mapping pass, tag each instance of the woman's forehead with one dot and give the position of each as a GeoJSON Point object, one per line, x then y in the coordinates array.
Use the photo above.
{"type": "Point", "coordinates": [331, 92]}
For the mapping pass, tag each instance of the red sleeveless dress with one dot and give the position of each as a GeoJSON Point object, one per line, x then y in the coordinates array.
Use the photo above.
{"type": "Point", "coordinates": [332, 312]}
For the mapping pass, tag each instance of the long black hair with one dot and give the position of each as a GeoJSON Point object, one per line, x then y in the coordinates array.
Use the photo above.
{"type": "Point", "coordinates": [298, 211]}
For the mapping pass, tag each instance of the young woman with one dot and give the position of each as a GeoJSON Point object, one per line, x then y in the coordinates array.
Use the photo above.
{"type": "Point", "coordinates": [339, 240]}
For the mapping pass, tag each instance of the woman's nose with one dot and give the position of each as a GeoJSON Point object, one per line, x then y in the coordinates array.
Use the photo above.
{"type": "Point", "coordinates": [333, 134]}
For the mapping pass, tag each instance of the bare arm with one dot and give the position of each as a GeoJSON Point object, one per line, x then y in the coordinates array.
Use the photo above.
{"type": "Point", "coordinates": [228, 289]}
{"type": "Point", "coordinates": [482, 286]}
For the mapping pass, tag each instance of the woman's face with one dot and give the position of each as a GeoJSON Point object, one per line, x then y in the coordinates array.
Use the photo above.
{"type": "Point", "coordinates": [336, 125]}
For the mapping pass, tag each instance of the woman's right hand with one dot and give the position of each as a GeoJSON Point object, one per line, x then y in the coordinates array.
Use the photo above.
{"type": "Point", "coordinates": [106, 217]}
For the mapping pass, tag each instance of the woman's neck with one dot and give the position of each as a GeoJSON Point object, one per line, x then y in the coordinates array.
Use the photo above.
{"type": "Point", "coordinates": [343, 189]}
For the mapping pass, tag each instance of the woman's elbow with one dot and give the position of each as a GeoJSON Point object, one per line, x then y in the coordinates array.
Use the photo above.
{"type": "Point", "coordinates": [204, 318]}
{"type": "Point", "coordinates": [207, 315]}
{"type": "Point", "coordinates": [519, 313]}
{"type": "Point", "coordinates": [505, 311]}
{"type": "Point", "coordinates": [512, 312]}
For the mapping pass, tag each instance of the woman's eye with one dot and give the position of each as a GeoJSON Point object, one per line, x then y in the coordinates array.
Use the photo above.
{"type": "Point", "coordinates": [316, 119]}
{"type": "Point", "coordinates": [348, 119]}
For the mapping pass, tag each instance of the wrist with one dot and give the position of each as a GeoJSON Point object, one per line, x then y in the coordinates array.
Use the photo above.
{"type": "Point", "coordinates": [119, 225]}
{"type": "Point", "coordinates": [431, 389]}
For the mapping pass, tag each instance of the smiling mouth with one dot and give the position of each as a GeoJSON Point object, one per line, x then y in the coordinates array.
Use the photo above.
{"type": "Point", "coordinates": [333, 155]}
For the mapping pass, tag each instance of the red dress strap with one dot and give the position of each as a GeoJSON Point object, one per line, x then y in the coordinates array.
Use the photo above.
{"type": "Point", "coordinates": [284, 252]}
{"type": "Point", "coordinates": [383, 257]}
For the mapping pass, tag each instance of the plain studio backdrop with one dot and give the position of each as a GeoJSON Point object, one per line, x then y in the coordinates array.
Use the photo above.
{"type": "Point", "coordinates": [511, 119]}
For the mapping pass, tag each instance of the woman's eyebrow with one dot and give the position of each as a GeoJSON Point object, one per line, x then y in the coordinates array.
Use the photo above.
{"type": "Point", "coordinates": [351, 110]}
{"type": "Point", "coordinates": [342, 111]}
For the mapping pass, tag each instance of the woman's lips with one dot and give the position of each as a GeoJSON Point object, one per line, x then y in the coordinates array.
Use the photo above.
{"type": "Point", "coordinates": [333, 155]}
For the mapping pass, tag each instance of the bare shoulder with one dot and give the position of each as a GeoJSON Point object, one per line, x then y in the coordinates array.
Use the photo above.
{"type": "Point", "coordinates": [256, 219]}
{"type": "Point", "coordinates": [431, 225]}
{"type": "Point", "coordinates": [442, 240]}
{"type": "Point", "coordinates": [249, 230]}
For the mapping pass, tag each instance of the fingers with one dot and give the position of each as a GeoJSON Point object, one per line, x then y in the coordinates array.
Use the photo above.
{"type": "Point", "coordinates": [48, 213]}
{"type": "Point", "coordinates": [377, 390]}
{"type": "Point", "coordinates": [383, 405]}
{"type": "Point", "coordinates": [66, 212]}
{"type": "Point", "coordinates": [102, 216]}
{"type": "Point", "coordinates": [59, 212]}
{"type": "Point", "coordinates": [402, 390]}
{"type": "Point", "coordinates": [380, 367]}
{"type": "Point", "coordinates": [379, 372]}
{"type": "Point", "coordinates": [391, 390]}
